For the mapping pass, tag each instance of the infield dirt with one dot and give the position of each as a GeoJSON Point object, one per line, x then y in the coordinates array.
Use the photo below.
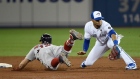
{"type": "Point", "coordinates": [102, 69]}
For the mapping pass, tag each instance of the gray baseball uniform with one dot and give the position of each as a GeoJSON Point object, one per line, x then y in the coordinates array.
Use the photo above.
{"type": "Point", "coordinates": [45, 54]}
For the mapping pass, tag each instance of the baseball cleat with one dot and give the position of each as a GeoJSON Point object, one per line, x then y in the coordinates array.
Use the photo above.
{"type": "Point", "coordinates": [75, 35]}
{"type": "Point", "coordinates": [83, 64]}
{"type": "Point", "coordinates": [63, 59]}
{"type": "Point", "coordinates": [131, 66]}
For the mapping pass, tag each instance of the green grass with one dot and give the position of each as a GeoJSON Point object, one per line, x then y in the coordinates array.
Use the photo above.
{"type": "Point", "coordinates": [19, 41]}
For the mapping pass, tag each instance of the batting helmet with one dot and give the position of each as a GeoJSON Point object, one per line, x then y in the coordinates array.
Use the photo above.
{"type": "Point", "coordinates": [46, 38]}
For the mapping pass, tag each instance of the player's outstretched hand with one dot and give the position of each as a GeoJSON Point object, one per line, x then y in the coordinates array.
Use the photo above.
{"type": "Point", "coordinates": [81, 53]}
{"type": "Point", "coordinates": [15, 68]}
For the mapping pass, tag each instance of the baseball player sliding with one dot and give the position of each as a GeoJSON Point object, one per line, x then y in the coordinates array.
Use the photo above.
{"type": "Point", "coordinates": [106, 38]}
{"type": "Point", "coordinates": [48, 54]}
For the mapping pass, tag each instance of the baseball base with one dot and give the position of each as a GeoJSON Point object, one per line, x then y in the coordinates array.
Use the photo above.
{"type": "Point", "coordinates": [5, 65]}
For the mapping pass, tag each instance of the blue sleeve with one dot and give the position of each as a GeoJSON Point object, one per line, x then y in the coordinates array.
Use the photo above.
{"type": "Point", "coordinates": [86, 44]}
{"type": "Point", "coordinates": [111, 32]}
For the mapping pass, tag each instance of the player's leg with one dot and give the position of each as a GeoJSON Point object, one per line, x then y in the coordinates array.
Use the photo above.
{"type": "Point", "coordinates": [61, 52]}
{"type": "Point", "coordinates": [127, 59]}
{"type": "Point", "coordinates": [130, 63]}
{"type": "Point", "coordinates": [97, 51]}
{"type": "Point", "coordinates": [54, 62]}
{"type": "Point", "coordinates": [49, 61]}
{"type": "Point", "coordinates": [74, 35]}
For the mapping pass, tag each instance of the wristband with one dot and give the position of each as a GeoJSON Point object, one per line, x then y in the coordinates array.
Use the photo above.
{"type": "Point", "coordinates": [115, 42]}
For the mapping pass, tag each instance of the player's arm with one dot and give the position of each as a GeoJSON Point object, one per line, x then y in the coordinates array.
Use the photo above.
{"type": "Point", "coordinates": [86, 43]}
{"type": "Point", "coordinates": [22, 64]}
{"type": "Point", "coordinates": [85, 47]}
{"type": "Point", "coordinates": [115, 51]}
{"type": "Point", "coordinates": [112, 34]}
{"type": "Point", "coordinates": [29, 57]}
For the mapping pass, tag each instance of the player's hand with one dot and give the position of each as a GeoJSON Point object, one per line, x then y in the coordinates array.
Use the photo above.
{"type": "Point", "coordinates": [115, 53]}
{"type": "Point", "coordinates": [16, 68]}
{"type": "Point", "coordinates": [81, 53]}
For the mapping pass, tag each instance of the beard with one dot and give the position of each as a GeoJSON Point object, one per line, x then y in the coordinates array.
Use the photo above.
{"type": "Point", "coordinates": [98, 26]}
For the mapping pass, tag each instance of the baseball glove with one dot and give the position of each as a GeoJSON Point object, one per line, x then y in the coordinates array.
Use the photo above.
{"type": "Point", "coordinates": [115, 53]}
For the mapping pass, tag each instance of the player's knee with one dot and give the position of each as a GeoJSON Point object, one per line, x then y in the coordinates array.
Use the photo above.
{"type": "Point", "coordinates": [110, 44]}
{"type": "Point", "coordinates": [55, 62]}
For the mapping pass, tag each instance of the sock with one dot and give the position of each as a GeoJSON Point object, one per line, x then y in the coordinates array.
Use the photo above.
{"type": "Point", "coordinates": [55, 62]}
{"type": "Point", "coordinates": [71, 37]}
{"type": "Point", "coordinates": [67, 46]}
{"type": "Point", "coordinates": [69, 43]}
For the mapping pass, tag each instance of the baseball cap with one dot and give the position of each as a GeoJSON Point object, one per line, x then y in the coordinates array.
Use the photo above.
{"type": "Point", "coordinates": [96, 15]}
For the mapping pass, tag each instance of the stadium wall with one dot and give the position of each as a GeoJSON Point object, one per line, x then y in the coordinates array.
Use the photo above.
{"type": "Point", "coordinates": [67, 13]}
{"type": "Point", "coordinates": [44, 13]}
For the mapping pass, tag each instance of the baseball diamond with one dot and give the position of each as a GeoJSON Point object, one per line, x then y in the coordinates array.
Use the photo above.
{"type": "Point", "coordinates": [102, 69]}
{"type": "Point", "coordinates": [69, 39]}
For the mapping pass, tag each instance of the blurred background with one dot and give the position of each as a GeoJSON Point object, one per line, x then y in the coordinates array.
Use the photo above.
{"type": "Point", "coordinates": [22, 22]}
{"type": "Point", "coordinates": [67, 13]}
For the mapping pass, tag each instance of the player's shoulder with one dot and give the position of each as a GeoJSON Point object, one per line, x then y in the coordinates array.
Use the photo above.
{"type": "Point", "coordinates": [105, 23]}
{"type": "Point", "coordinates": [88, 24]}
